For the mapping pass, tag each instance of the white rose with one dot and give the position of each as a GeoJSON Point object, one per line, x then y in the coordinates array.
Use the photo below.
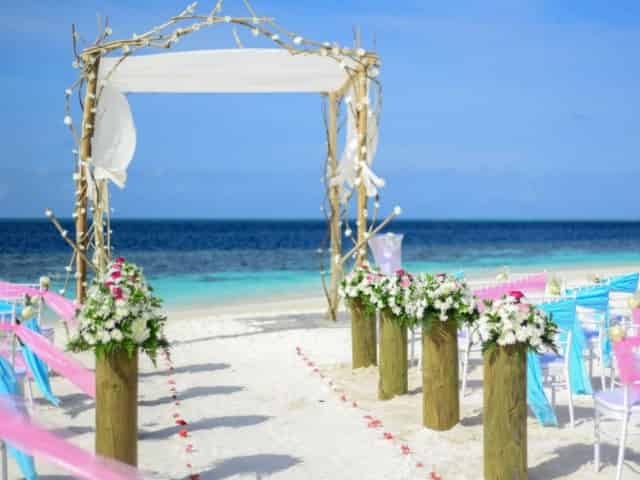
{"type": "Point", "coordinates": [116, 335]}
{"type": "Point", "coordinates": [508, 338]}
{"type": "Point", "coordinates": [104, 337]}
{"type": "Point", "coordinates": [139, 331]}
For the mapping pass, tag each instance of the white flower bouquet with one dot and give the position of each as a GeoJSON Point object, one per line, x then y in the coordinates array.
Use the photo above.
{"type": "Point", "coordinates": [394, 295]}
{"type": "Point", "coordinates": [507, 322]}
{"type": "Point", "coordinates": [360, 286]}
{"type": "Point", "coordinates": [120, 314]}
{"type": "Point", "coordinates": [442, 298]}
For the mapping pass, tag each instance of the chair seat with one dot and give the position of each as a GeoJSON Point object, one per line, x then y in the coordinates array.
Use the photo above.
{"type": "Point", "coordinates": [614, 399]}
{"type": "Point", "coordinates": [591, 334]}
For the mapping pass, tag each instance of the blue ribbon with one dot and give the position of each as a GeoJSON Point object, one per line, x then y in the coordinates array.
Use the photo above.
{"type": "Point", "coordinates": [38, 368]}
{"type": "Point", "coordinates": [536, 398]}
{"type": "Point", "coordinates": [563, 313]}
{"type": "Point", "coordinates": [8, 387]}
{"type": "Point", "coordinates": [624, 283]}
{"type": "Point", "coordinates": [596, 298]}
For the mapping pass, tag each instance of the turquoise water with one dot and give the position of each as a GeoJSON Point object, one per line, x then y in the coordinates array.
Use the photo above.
{"type": "Point", "coordinates": [235, 287]}
{"type": "Point", "coordinates": [196, 262]}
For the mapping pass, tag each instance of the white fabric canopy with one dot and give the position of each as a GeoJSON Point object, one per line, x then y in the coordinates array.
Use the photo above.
{"type": "Point", "coordinates": [217, 71]}
{"type": "Point", "coordinates": [251, 70]}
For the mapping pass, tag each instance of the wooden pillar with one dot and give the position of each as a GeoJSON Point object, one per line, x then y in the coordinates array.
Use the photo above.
{"type": "Point", "coordinates": [117, 406]}
{"type": "Point", "coordinates": [334, 200]}
{"type": "Point", "coordinates": [393, 360]}
{"type": "Point", "coordinates": [440, 397]}
{"type": "Point", "coordinates": [362, 105]}
{"type": "Point", "coordinates": [505, 413]}
{"type": "Point", "coordinates": [363, 336]}
{"type": "Point", "coordinates": [100, 202]}
{"type": "Point", "coordinates": [88, 118]}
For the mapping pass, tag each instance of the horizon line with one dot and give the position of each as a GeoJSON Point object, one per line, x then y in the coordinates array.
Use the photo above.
{"type": "Point", "coordinates": [311, 219]}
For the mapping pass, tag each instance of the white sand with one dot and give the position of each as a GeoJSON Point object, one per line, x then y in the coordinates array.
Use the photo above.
{"type": "Point", "coordinates": [256, 410]}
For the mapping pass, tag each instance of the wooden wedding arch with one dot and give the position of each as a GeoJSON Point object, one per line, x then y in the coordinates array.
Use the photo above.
{"type": "Point", "coordinates": [344, 76]}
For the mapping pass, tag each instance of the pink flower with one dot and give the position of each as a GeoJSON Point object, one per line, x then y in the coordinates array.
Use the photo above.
{"type": "Point", "coordinates": [116, 274]}
{"type": "Point", "coordinates": [108, 284]}
{"type": "Point", "coordinates": [117, 293]}
{"type": "Point", "coordinates": [516, 294]}
{"type": "Point", "coordinates": [441, 276]}
{"type": "Point", "coordinates": [405, 282]}
{"type": "Point", "coordinates": [400, 273]}
{"type": "Point", "coordinates": [120, 260]}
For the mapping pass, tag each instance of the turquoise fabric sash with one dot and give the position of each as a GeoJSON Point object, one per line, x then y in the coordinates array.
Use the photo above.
{"type": "Point", "coordinates": [9, 386]}
{"type": "Point", "coordinates": [536, 398]}
{"type": "Point", "coordinates": [37, 367]}
{"type": "Point", "coordinates": [563, 314]}
{"type": "Point", "coordinates": [624, 283]}
{"type": "Point", "coordinates": [596, 298]}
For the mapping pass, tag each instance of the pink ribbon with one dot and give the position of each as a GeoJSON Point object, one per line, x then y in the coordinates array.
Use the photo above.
{"type": "Point", "coordinates": [65, 365]}
{"type": "Point", "coordinates": [532, 283]}
{"type": "Point", "coordinates": [62, 306]}
{"type": "Point", "coordinates": [19, 431]}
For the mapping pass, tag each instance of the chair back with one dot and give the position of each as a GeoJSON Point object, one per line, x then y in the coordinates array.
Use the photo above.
{"type": "Point", "coordinates": [627, 353]}
{"type": "Point", "coordinates": [624, 283]}
{"type": "Point", "coordinates": [594, 297]}
{"type": "Point", "coordinates": [563, 313]}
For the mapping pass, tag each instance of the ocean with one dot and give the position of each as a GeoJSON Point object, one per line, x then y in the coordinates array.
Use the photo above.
{"type": "Point", "coordinates": [191, 262]}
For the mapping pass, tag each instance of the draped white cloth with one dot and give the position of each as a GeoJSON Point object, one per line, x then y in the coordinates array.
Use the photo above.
{"type": "Point", "coordinates": [114, 139]}
{"type": "Point", "coordinates": [250, 70]}
{"type": "Point", "coordinates": [217, 71]}
{"type": "Point", "coordinates": [348, 166]}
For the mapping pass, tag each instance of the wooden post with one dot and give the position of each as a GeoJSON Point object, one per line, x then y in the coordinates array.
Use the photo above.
{"type": "Point", "coordinates": [117, 407]}
{"type": "Point", "coordinates": [361, 91]}
{"type": "Point", "coordinates": [363, 336]}
{"type": "Point", "coordinates": [334, 200]}
{"type": "Point", "coordinates": [505, 413]}
{"type": "Point", "coordinates": [394, 378]}
{"type": "Point", "coordinates": [100, 202]}
{"type": "Point", "coordinates": [88, 117]}
{"type": "Point", "coordinates": [440, 393]}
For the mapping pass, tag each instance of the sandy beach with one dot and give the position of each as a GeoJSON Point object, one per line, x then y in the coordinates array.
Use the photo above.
{"type": "Point", "coordinates": [268, 392]}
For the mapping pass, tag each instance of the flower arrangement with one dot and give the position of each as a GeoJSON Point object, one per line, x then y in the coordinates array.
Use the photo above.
{"type": "Point", "coordinates": [360, 285]}
{"type": "Point", "coordinates": [120, 313]}
{"type": "Point", "coordinates": [507, 322]}
{"type": "Point", "coordinates": [441, 297]}
{"type": "Point", "coordinates": [394, 293]}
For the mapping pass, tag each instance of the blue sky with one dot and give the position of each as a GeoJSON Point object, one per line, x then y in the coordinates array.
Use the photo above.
{"type": "Point", "coordinates": [492, 109]}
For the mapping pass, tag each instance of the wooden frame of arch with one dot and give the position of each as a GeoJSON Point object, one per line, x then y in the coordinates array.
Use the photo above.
{"type": "Point", "coordinates": [92, 243]}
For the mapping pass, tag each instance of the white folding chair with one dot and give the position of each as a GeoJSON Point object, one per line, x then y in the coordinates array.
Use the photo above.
{"type": "Point", "coordinates": [620, 404]}
{"type": "Point", "coordinates": [555, 371]}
